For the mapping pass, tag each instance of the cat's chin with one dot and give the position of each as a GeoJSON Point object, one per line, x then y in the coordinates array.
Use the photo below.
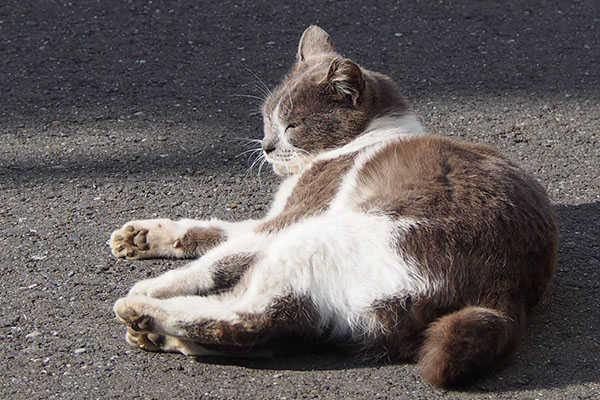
{"type": "Point", "coordinates": [286, 169]}
{"type": "Point", "coordinates": [292, 166]}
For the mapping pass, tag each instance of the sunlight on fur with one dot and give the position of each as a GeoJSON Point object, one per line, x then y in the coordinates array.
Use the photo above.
{"type": "Point", "coordinates": [383, 240]}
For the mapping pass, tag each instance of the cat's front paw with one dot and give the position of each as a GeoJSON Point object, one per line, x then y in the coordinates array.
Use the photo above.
{"type": "Point", "coordinates": [131, 241]}
{"type": "Point", "coordinates": [149, 238]}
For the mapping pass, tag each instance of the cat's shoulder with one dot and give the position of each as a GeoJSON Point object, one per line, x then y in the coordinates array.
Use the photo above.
{"type": "Point", "coordinates": [430, 151]}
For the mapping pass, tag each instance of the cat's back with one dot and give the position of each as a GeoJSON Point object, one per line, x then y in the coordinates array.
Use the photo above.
{"type": "Point", "coordinates": [435, 177]}
{"type": "Point", "coordinates": [471, 208]}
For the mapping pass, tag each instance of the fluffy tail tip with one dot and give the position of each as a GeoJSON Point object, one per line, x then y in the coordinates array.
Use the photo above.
{"type": "Point", "coordinates": [461, 346]}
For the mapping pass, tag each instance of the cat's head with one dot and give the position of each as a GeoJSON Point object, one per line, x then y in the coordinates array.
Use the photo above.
{"type": "Point", "coordinates": [324, 102]}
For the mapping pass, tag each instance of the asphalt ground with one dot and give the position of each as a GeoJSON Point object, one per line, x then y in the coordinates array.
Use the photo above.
{"type": "Point", "coordinates": [116, 110]}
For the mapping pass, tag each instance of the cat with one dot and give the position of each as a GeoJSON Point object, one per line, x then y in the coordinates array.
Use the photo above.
{"type": "Point", "coordinates": [382, 239]}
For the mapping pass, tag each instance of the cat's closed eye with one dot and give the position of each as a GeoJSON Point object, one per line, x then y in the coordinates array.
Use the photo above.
{"type": "Point", "coordinates": [291, 126]}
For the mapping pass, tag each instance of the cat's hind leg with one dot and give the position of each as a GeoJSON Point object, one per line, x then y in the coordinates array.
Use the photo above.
{"type": "Point", "coordinates": [266, 302]}
{"type": "Point", "coordinates": [224, 320]}
{"type": "Point", "coordinates": [169, 344]}
{"type": "Point", "coordinates": [139, 335]}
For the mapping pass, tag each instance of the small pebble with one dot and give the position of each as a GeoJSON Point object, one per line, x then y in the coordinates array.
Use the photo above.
{"type": "Point", "coordinates": [33, 334]}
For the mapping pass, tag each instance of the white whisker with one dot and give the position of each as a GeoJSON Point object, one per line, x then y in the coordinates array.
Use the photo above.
{"type": "Point", "coordinates": [258, 159]}
{"type": "Point", "coordinates": [251, 151]}
{"type": "Point", "coordinates": [250, 96]}
{"type": "Point", "coordinates": [266, 91]}
{"type": "Point", "coordinates": [248, 141]}
{"type": "Point", "coordinates": [260, 168]}
{"type": "Point", "coordinates": [261, 90]}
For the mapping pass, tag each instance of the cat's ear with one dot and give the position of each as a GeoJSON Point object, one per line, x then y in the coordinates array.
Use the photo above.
{"type": "Point", "coordinates": [345, 77]}
{"type": "Point", "coordinates": [314, 41]}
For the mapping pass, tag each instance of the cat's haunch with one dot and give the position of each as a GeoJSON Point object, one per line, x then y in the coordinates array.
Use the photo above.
{"type": "Point", "coordinates": [382, 240]}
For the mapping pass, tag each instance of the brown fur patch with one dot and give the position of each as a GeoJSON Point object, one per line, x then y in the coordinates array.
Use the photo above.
{"type": "Point", "coordinates": [228, 271]}
{"type": "Point", "coordinates": [198, 241]}
{"type": "Point", "coordinates": [312, 194]}
{"type": "Point", "coordinates": [288, 315]}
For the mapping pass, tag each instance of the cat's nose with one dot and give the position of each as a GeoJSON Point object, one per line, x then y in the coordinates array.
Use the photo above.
{"type": "Point", "coordinates": [269, 146]}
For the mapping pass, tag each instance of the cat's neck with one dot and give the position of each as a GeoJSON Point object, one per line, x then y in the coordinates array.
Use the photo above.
{"type": "Point", "coordinates": [380, 130]}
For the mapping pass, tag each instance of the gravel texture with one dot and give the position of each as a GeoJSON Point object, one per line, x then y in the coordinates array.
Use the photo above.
{"type": "Point", "coordinates": [115, 110]}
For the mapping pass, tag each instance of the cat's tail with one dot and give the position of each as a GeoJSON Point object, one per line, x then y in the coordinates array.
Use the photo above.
{"type": "Point", "coordinates": [460, 346]}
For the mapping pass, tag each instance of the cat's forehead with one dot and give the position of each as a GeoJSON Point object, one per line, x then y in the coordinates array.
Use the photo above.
{"type": "Point", "coordinates": [297, 91]}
